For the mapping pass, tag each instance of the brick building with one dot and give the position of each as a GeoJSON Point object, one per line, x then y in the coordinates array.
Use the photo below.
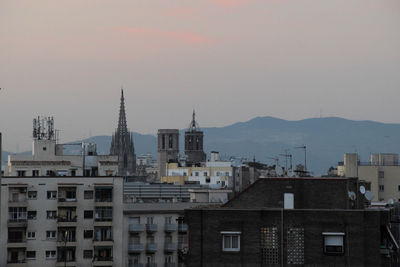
{"type": "Point", "coordinates": [293, 222]}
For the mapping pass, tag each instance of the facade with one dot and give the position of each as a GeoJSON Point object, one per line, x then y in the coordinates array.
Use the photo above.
{"type": "Point", "coordinates": [168, 149]}
{"type": "Point", "coordinates": [61, 221]}
{"type": "Point", "coordinates": [156, 233]}
{"type": "Point", "coordinates": [135, 192]}
{"type": "Point", "coordinates": [293, 222]}
{"type": "Point", "coordinates": [215, 174]}
{"type": "Point", "coordinates": [122, 144]}
{"type": "Point", "coordinates": [194, 144]}
{"type": "Point", "coordinates": [48, 157]}
{"type": "Point", "coordinates": [383, 171]}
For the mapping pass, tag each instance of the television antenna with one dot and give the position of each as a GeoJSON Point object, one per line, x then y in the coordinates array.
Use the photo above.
{"type": "Point", "coordinates": [304, 147]}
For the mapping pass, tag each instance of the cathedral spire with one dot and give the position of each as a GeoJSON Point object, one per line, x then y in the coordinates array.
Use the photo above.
{"type": "Point", "coordinates": [122, 144]}
{"type": "Point", "coordinates": [193, 124]}
{"type": "Point", "coordinates": [122, 128]}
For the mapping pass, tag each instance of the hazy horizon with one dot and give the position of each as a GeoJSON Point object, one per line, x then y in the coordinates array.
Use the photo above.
{"type": "Point", "coordinates": [231, 60]}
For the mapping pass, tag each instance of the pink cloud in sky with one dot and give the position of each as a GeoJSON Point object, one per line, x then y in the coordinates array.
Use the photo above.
{"type": "Point", "coordinates": [181, 36]}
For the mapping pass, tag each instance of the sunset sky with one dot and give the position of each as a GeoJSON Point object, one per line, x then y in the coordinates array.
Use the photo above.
{"type": "Point", "coordinates": [231, 60]}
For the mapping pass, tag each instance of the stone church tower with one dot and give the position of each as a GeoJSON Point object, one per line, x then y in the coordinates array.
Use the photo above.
{"type": "Point", "coordinates": [194, 143]}
{"type": "Point", "coordinates": [122, 144]}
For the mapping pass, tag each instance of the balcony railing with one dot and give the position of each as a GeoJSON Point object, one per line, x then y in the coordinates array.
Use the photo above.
{"type": "Point", "coordinates": [151, 265]}
{"type": "Point", "coordinates": [170, 227]}
{"type": "Point", "coordinates": [16, 220]}
{"type": "Point", "coordinates": [19, 200]}
{"type": "Point", "coordinates": [151, 227]}
{"type": "Point", "coordinates": [64, 219]}
{"type": "Point", "coordinates": [135, 248]}
{"type": "Point", "coordinates": [62, 259]}
{"type": "Point", "coordinates": [99, 258]}
{"type": "Point", "coordinates": [135, 265]}
{"type": "Point", "coordinates": [63, 199]}
{"type": "Point", "coordinates": [103, 199]}
{"type": "Point", "coordinates": [182, 227]}
{"type": "Point", "coordinates": [169, 264]}
{"type": "Point", "coordinates": [151, 247]}
{"type": "Point", "coordinates": [17, 261]}
{"type": "Point", "coordinates": [103, 219]}
{"type": "Point", "coordinates": [169, 247]}
{"type": "Point", "coordinates": [16, 240]}
{"type": "Point", "coordinates": [102, 239]}
{"type": "Point", "coordinates": [136, 227]}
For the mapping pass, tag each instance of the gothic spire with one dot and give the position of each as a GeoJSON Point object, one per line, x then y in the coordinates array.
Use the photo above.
{"type": "Point", "coordinates": [193, 124]}
{"type": "Point", "coordinates": [122, 128]}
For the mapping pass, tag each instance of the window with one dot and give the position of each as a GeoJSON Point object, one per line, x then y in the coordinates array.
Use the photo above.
{"type": "Point", "coordinates": [88, 254]}
{"type": "Point", "coordinates": [231, 241]}
{"type": "Point", "coordinates": [398, 187]}
{"type": "Point", "coordinates": [73, 172]}
{"type": "Point", "coordinates": [196, 173]}
{"type": "Point", "coordinates": [205, 173]}
{"type": "Point", "coordinates": [51, 194]}
{"type": "Point", "coordinates": [30, 255]}
{"type": "Point", "coordinates": [381, 174]}
{"type": "Point", "coordinates": [88, 214]}
{"type": "Point", "coordinates": [51, 254]}
{"type": "Point", "coordinates": [51, 214]}
{"type": "Point", "coordinates": [381, 188]}
{"type": "Point", "coordinates": [44, 148]}
{"type": "Point", "coordinates": [35, 173]}
{"type": "Point", "coordinates": [51, 234]}
{"type": "Point", "coordinates": [149, 220]}
{"type": "Point", "coordinates": [31, 235]}
{"type": "Point", "coordinates": [32, 215]}
{"type": "Point", "coordinates": [333, 243]}
{"type": "Point", "coordinates": [295, 245]}
{"type": "Point", "coordinates": [88, 194]}
{"type": "Point", "coordinates": [20, 173]}
{"type": "Point", "coordinates": [168, 220]}
{"type": "Point", "coordinates": [87, 234]}
{"type": "Point", "coordinates": [170, 141]}
{"type": "Point", "coordinates": [270, 245]}
{"type": "Point", "coordinates": [32, 195]}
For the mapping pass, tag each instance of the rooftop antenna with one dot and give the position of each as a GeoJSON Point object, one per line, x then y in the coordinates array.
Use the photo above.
{"type": "Point", "coordinates": [304, 147]}
{"type": "Point", "coordinates": [276, 159]}
{"type": "Point", "coordinates": [287, 156]}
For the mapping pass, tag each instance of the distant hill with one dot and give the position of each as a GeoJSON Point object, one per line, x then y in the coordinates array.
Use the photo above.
{"type": "Point", "coordinates": [327, 139]}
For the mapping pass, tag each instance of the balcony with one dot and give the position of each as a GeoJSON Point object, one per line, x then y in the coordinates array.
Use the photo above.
{"type": "Point", "coordinates": [182, 228]}
{"type": "Point", "coordinates": [170, 227]}
{"type": "Point", "coordinates": [103, 242]}
{"type": "Point", "coordinates": [102, 261]}
{"type": "Point", "coordinates": [18, 222]}
{"type": "Point", "coordinates": [68, 263]}
{"type": "Point", "coordinates": [67, 202]}
{"type": "Point", "coordinates": [169, 264]}
{"type": "Point", "coordinates": [136, 265]}
{"type": "Point", "coordinates": [135, 248]}
{"type": "Point", "coordinates": [17, 263]}
{"type": "Point", "coordinates": [151, 227]}
{"type": "Point", "coordinates": [20, 202]}
{"type": "Point", "coordinates": [169, 247]}
{"type": "Point", "coordinates": [136, 228]}
{"type": "Point", "coordinates": [151, 248]}
{"type": "Point", "coordinates": [65, 222]}
{"type": "Point", "coordinates": [16, 243]}
{"type": "Point", "coordinates": [150, 265]}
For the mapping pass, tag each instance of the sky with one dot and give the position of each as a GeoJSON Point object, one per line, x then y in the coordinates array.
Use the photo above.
{"type": "Point", "coordinates": [230, 60]}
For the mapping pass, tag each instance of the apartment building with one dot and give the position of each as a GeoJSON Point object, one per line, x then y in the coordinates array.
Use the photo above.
{"type": "Point", "coordinates": [61, 221]}
{"type": "Point", "coordinates": [294, 222]}
{"type": "Point", "coordinates": [382, 170]}
{"type": "Point", "coordinates": [49, 158]}
{"type": "Point", "coordinates": [215, 174]}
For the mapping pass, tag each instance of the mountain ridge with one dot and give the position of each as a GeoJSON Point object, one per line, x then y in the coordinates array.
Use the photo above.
{"type": "Point", "coordinates": [327, 139]}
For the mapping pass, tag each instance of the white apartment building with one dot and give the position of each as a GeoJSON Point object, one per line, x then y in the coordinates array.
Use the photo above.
{"type": "Point", "coordinates": [215, 174]}
{"type": "Point", "coordinates": [61, 221]}
{"type": "Point", "coordinates": [382, 170]}
{"type": "Point", "coordinates": [48, 157]}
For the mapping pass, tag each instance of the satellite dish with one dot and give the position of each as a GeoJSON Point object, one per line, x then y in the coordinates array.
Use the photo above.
{"type": "Point", "coordinates": [368, 195]}
{"type": "Point", "coordinates": [390, 201]}
{"type": "Point", "coordinates": [362, 189]}
{"type": "Point", "coordinates": [352, 195]}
